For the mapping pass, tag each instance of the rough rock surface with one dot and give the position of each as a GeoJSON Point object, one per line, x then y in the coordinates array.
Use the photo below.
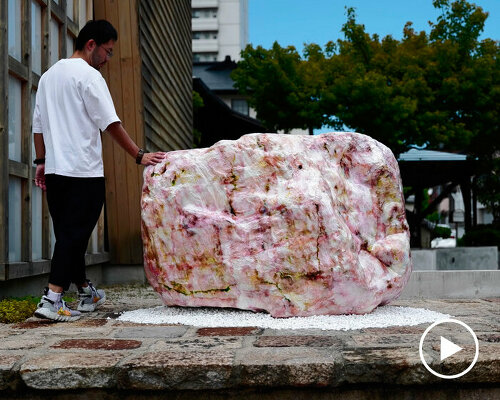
{"type": "Point", "coordinates": [293, 225]}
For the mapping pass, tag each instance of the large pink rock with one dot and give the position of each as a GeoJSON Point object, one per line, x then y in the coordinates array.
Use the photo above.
{"type": "Point", "coordinates": [293, 225]}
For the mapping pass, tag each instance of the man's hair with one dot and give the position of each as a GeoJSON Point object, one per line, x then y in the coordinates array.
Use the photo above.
{"type": "Point", "coordinates": [101, 31]}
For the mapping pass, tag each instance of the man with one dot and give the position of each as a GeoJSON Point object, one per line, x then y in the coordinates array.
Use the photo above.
{"type": "Point", "coordinates": [73, 105]}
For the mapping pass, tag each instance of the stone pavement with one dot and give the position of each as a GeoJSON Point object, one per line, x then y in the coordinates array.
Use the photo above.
{"type": "Point", "coordinates": [101, 357]}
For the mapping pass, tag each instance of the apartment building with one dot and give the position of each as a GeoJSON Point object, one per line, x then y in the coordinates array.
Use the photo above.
{"type": "Point", "coordinates": [220, 29]}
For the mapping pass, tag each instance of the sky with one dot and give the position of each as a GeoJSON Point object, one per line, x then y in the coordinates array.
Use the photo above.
{"type": "Point", "coordinates": [295, 22]}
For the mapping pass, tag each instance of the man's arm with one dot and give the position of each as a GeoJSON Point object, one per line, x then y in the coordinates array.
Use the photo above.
{"type": "Point", "coordinates": [120, 135]}
{"type": "Point", "coordinates": [40, 154]}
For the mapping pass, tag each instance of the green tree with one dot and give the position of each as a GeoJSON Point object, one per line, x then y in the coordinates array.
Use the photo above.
{"type": "Point", "coordinates": [438, 89]}
{"type": "Point", "coordinates": [280, 86]}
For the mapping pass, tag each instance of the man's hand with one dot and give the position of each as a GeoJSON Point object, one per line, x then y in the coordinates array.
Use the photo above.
{"type": "Point", "coordinates": [152, 158]}
{"type": "Point", "coordinates": [40, 176]}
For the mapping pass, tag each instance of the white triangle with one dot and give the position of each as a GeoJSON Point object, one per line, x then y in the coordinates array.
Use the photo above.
{"type": "Point", "coordinates": [448, 348]}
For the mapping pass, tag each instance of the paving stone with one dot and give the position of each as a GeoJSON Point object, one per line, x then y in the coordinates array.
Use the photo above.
{"type": "Point", "coordinates": [305, 332]}
{"type": "Point", "coordinates": [488, 337]}
{"type": "Point", "coordinates": [71, 329]}
{"type": "Point", "coordinates": [151, 332]}
{"type": "Point", "coordinates": [176, 357]}
{"type": "Point", "coordinates": [294, 341]}
{"type": "Point", "coordinates": [394, 366]}
{"type": "Point", "coordinates": [292, 366]}
{"type": "Point", "coordinates": [98, 344]}
{"type": "Point", "coordinates": [8, 376]}
{"type": "Point", "coordinates": [122, 324]}
{"type": "Point", "coordinates": [486, 369]}
{"type": "Point", "coordinates": [230, 331]}
{"type": "Point", "coordinates": [91, 323]}
{"type": "Point", "coordinates": [194, 370]}
{"type": "Point", "coordinates": [378, 340]}
{"type": "Point", "coordinates": [397, 330]}
{"type": "Point", "coordinates": [21, 342]}
{"type": "Point", "coordinates": [65, 370]}
{"type": "Point", "coordinates": [209, 342]}
{"type": "Point", "coordinates": [36, 323]}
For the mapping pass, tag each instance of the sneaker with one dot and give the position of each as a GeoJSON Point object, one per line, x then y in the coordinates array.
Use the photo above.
{"type": "Point", "coordinates": [90, 298]}
{"type": "Point", "coordinates": [56, 310]}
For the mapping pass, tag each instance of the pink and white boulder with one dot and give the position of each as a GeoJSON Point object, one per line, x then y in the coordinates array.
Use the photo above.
{"type": "Point", "coordinates": [292, 225]}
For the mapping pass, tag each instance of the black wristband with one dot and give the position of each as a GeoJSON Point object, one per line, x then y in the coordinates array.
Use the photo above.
{"type": "Point", "coordinates": [38, 161]}
{"type": "Point", "coordinates": [139, 156]}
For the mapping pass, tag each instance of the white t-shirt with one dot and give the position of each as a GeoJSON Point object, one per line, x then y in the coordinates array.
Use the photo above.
{"type": "Point", "coordinates": [72, 104]}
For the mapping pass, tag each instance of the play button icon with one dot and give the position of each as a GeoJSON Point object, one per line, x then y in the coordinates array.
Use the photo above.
{"type": "Point", "coordinates": [448, 348]}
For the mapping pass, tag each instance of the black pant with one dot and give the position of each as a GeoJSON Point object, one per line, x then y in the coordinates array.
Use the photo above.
{"type": "Point", "coordinates": [75, 205]}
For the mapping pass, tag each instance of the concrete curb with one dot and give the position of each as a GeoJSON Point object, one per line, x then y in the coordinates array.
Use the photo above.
{"type": "Point", "coordinates": [460, 284]}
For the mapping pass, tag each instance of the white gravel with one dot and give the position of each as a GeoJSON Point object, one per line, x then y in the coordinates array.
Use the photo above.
{"type": "Point", "coordinates": [219, 317]}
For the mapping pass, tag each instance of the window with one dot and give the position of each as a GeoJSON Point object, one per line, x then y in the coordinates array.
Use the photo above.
{"type": "Point", "coordinates": [15, 219]}
{"type": "Point", "coordinates": [204, 13]}
{"type": "Point", "coordinates": [70, 9]}
{"type": "Point", "coordinates": [70, 45]}
{"type": "Point", "coordinates": [36, 37]}
{"type": "Point", "coordinates": [14, 32]}
{"type": "Point", "coordinates": [15, 119]}
{"type": "Point", "coordinates": [204, 35]}
{"type": "Point", "coordinates": [36, 222]}
{"type": "Point", "coordinates": [204, 57]}
{"type": "Point", "coordinates": [240, 105]}
{"type": "Point", "coordinates": [54, 41]}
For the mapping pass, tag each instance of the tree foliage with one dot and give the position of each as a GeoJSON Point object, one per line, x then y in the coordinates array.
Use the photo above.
{"type": "Point", "coordinates": [281, 86]}
{"type": "Point", "coordinates": [439, 89]}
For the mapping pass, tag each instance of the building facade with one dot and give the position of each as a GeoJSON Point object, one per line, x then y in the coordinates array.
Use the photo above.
{"type": "Point", "coordinates": [150, 81]}
{"type": "Point", "coordinates": [219, 29]}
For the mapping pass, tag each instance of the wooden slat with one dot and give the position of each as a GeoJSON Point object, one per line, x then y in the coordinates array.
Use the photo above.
{"type": "Point", "coordinates": [63, 32]}
{"type": "Point", "coordinates": [129, 61]}
{"type": "Point", "coordinates": [168, 108]}
{"type": "Point", "coordinates": [73, 28]}
{"type": "Point", "coordinates": [18, 169]}
{"type": "Point", "coordinates": [129, 108]}
{"type": "Point", "coordinates": [46, 253]}
{"type": "Point", "coordinates": [161, 50]}
{"type": "Point", "coordinates": [112, 213]}
{"type": "Point", "coordinates": [100, 232]}
{"type": "Point", "coordinates": [120, 249]}
{"type": "Point", "coordinates": [4, 137]}
{"type": "Point", "coordinates": [46, 224]}
{"type": "Point", "coordinates": [174, 119]}
{"type": "Point", "coordinates": [58, 11]}
{"type": "Point", "coordinates": [26, 136]}
{"type": "Point", "coordinates": [17, 69]}
{"type": "Point", "coordinates": [35, 79]}
{"type": "Point", "coordinates": [165, 83]}
{"type": "Point", "coordinates": [166, 53]}
{"type": "Point", "coordinates": [26, 269]}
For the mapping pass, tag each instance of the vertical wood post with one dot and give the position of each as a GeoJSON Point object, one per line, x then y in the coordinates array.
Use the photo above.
{"type": "Point", "coordinates": [4, 137]}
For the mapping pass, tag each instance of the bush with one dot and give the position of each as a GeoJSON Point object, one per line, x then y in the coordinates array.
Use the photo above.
{"type": "Point", "coordinates": [482, 235]}
{"type": "Point", "coordinates": [15, 310]}
{"type": "Point", "coordinates": [441, 232]}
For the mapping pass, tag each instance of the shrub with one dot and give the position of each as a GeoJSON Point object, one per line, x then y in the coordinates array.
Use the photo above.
{"type": "Point", "coordinates": [482, 235]}
{"type": "Point", "coordinates": [441, 232]}
{"type": "Point", "coordinates": [14, 310]}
